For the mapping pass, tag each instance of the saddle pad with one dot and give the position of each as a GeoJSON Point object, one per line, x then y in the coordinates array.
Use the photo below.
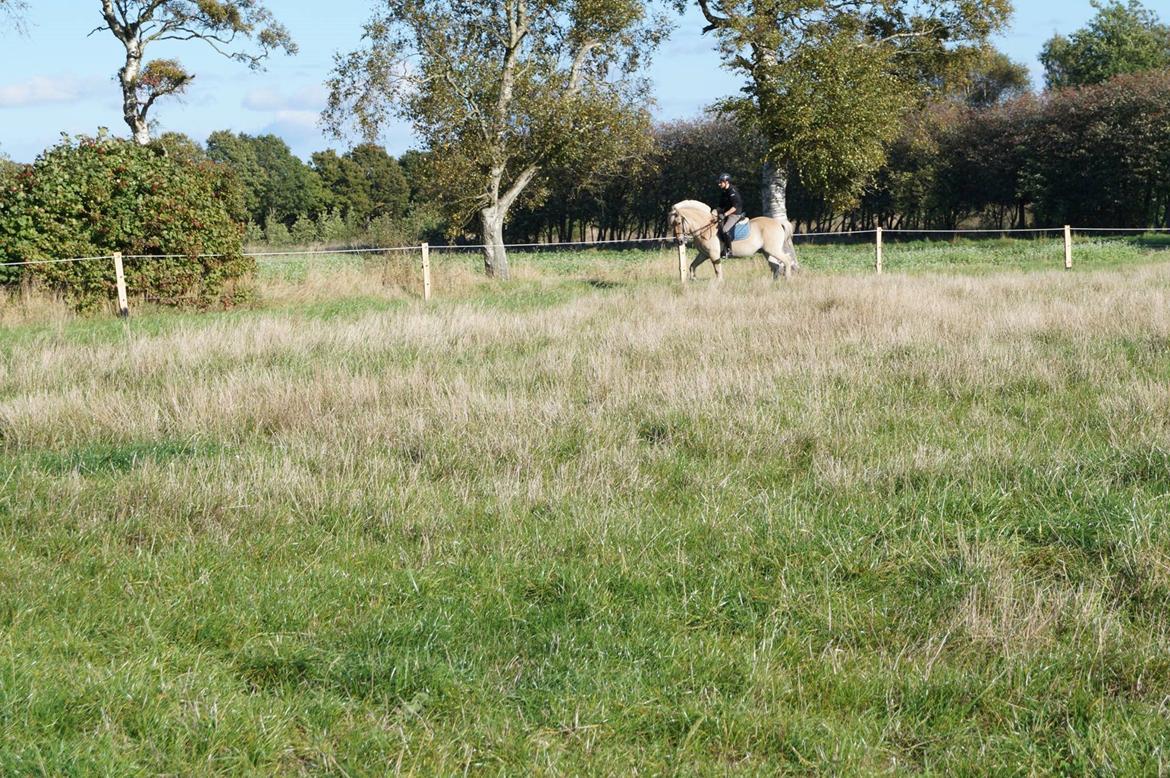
{"type": "Point", "coordinates": [741, 230]}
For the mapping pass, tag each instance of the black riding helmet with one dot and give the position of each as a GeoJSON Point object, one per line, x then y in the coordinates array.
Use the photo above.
{"type": "Point", "coordinates": [723, 177]}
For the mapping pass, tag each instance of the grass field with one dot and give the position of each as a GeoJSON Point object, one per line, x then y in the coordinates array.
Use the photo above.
{"type": "Point", "coordinates": [593, 523]}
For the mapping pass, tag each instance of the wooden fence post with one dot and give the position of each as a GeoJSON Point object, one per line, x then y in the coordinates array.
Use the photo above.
{"type": "Point", "coordinates": [877, 263]}
{"type": "Point", "coordinates": [120, 276]}
{"type": "Point", "coordinates": [1067, 247]}
{"type": "Point", "coordinates": [682, 262]}
{"type": "Point", "coordinates": [426, 252]}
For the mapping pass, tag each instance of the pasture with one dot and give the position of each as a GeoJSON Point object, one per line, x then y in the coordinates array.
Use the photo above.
{"type": "Point", "coordinates": [592, 522]}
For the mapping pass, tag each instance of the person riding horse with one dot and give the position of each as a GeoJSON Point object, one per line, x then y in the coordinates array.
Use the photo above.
{"type": "Point", "coordinates": [730, 213]}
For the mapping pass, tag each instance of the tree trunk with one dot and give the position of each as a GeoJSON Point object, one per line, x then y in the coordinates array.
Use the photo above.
{"type": "Point", "coordinates": [774, 190]}
{"type": "Point", "coordinates": [495, 256]}
{"type": "Point", "coordinates": [128, 78]}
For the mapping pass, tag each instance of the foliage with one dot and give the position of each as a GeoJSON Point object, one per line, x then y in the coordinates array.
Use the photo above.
{"type": "Point", "coordinates": [275, 232]}
{"type": "Point", "coordinates": [303, 231]}
{"type": "Point", "coordinates": [1122, 38]}
{"type": "Point", "coordinates": [181, 147]}
{"type": "Point", "coordinates": [331, 226]}
{"type": "Point", "coordinates": [991, 78]}
{"type": "Point", "coordinates": [364, 183]}
{"type": "Point", "coordinates": [1096, 156]}
{"type": "Point", "coordinates": [828, 83]}
{"type": "Point", "coordinates": [276, 182]}
{"type": "Point", "coordinates": [683, 162]}
{"type": "Point", "coordinates": [225, 25]}
{"type": "Point", "coordinates": [94, 196]}
{"type": "Point", "coordinates": [8, 169]}
{"type": "Point", "coordinates": [1102, 154]}
{"type": "Point", "coordinates": [501, 93]}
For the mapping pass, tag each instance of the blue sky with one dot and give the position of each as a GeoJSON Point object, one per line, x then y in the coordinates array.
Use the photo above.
{"type": "Point", "coordinates": [55, 79]}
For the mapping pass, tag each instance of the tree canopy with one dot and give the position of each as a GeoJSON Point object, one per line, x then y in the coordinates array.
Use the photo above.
{"type": "Point", "coordinates": [364, 183]}
{"type": "Point", "coordinates": [501, 92]}
{"type": "Point", "coordinates": [276, 183]}
{"type": "Point", "coordinates": [828, 83]}
{"type": "Point", "coordinates": [227, 26]}
{"type": "Point", "coordinates": [1121, 38]}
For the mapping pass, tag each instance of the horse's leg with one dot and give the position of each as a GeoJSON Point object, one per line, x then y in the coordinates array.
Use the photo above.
{"type": "Point", "coordinates": [718, 269]}
{"type": "Point", "coordinates": [790, 251]}
{"type": "Point", "coordinates": [698, 261]}
{"type": "Point", "coordinates": [775, 265]}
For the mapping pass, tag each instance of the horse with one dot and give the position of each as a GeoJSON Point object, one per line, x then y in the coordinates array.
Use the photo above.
{"type": "Point", "coordinates": [771, 237]}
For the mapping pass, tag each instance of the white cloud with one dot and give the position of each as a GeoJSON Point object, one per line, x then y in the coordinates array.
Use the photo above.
{"type": "Point", "coordinates": [43, 90]}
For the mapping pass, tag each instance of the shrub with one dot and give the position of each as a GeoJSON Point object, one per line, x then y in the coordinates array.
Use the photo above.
{"type": "Point", "coordinates": [275, 233]}
{"type": "Point", "coordinates": [253, 233]}
{"type": "Point", "coordinates": [304, 231]}
{"type": "Point", "coordinates": [95, 196]}
{"type": "Point", "coordinates": [331, 227]}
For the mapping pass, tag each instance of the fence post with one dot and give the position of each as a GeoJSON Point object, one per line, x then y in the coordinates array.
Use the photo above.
{"type": "Point", "coordinates": [682, 262]}
{"type": "Point", "coordinates": [1067, 247]}
{"type": "Point", "coordinates": [878, 252]}
{"type": "Point", "coordinates": [426, 252]}
{"type": "Point", "coordinates": [120, 276]}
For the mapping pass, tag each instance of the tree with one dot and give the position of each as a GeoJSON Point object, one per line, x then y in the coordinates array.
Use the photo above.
{"type": "Point", "coordinates": [828, 83]}
{"type": "Point", "coordinates": [276, 183]}
{"type": "Point", "coordinates": [1101, 154]}
{"type": "Point", "coordinates": [382, 182]}
{"type": "Point", "coordinates": [1121, 38]}
{"type": "Point", "coordinates": [992, 78]}
{"type": "Point", "coordinates": [176, 145]}
{"type": "Point", "coordinates": [365, 183]}
{"type": "Point", "coordinates": [221, 24]}
{"type": "Point", "coordinates": [501, 91]}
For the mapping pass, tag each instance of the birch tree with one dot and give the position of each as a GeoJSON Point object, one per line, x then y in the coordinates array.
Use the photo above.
{"type": "Point", "coordinates": [500, 91]}
{"type": "Point", "coordinates": [241, 30]}
{"type": "Point", "coordinates": [13, 11]}
{"type": "Point", "coordinates": [829, 80]}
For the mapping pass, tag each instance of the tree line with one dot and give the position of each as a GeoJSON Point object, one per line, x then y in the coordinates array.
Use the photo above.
{"type": "Point", "coordinates": [534, 119]}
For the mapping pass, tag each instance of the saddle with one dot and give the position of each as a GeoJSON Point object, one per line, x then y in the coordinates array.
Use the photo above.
{"type": "Point", "coordinates": [741, 230]}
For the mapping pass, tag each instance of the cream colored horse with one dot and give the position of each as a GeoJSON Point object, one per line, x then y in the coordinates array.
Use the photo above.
{"type": "Point", "coordinates": [772, 237]}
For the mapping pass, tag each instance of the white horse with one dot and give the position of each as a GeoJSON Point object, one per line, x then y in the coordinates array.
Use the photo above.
{"type": "Point", "coordinates": [772, 237]}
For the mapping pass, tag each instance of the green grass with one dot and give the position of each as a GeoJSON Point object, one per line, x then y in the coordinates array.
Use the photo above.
{"type": "Point", "coordinates": [590, 523]}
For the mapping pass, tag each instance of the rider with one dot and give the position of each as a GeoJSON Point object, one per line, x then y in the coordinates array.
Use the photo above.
{"type": "Point", "coordinates": [730, 212]}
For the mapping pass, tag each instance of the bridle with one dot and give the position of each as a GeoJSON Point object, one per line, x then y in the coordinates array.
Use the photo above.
{"type": "Point", "coordinates": [683, 234]}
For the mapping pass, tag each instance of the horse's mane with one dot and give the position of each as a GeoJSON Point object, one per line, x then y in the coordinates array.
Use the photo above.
{"type": "Point", "coordinates": [694, 205]}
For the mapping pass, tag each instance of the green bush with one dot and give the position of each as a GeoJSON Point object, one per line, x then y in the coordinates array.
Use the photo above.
{"type": "Point", "coordinates": [304, 231]}
{"type": "Point", "coordinates": [331, 227]}
{"type": "Point", "coordinates": [95, 196]}
{"type": "Point", "coordinates": [253, 233]}
{"type": "Point", "coordinates": [275, 233]}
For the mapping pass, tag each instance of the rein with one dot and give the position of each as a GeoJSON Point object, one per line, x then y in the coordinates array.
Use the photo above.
{"type": "Point", "coordinates": [694, 232]}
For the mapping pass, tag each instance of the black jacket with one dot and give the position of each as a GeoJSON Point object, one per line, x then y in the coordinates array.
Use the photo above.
{"type": "Point", "coordinates": [729, 198]}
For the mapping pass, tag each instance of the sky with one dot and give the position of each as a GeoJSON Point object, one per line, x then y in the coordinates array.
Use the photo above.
{"type": "Point", "coordinates": [58, 77]}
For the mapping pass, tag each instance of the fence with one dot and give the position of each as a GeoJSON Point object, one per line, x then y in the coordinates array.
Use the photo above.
{"type": "Point", "coordinates": [878, 237]}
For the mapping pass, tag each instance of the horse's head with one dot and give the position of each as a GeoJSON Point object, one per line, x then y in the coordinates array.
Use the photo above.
{"type": "Point", "coordinates": [675, 220]}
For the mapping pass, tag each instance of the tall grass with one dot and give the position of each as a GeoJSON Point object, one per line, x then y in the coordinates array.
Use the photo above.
{"type": "Point", "coordinates": [594, 523]}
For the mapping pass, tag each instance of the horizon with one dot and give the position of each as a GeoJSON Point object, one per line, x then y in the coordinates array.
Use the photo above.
{"type": "Point", "coordinates": [77, 94]}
